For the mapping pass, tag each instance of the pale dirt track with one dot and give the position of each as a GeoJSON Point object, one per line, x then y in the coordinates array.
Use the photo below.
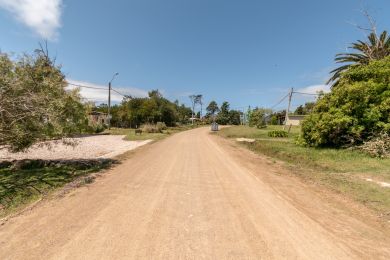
{"type": "Point", "coordinates": [195, 196]}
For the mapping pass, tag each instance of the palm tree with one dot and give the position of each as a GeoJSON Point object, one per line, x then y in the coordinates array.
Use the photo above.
{"type": "Point", "coordinates": [375, 48]}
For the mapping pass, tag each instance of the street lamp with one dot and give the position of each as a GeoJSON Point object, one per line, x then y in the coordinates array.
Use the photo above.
{"type": "Point", "coordinates": [109, 98]}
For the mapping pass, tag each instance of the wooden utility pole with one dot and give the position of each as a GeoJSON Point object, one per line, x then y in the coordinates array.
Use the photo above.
{"type": "Point", "coordinates": [109, 105]}
{"type": "Point", "coordinates": [109, 99]}
{"type": "Point", "coordinates": [289, 105]}
{"type": "Point", "coordinates": [193, 102]}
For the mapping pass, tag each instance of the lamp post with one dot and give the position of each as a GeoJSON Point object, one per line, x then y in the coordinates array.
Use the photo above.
{"type": "Point", "coordinates": [109, 99]}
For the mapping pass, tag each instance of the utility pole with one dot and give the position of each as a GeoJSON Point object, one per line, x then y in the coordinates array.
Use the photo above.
{"type": "Point", "coordinates": [243, 117]}
{"type": "Point", "coordinates": [109, 100]}
{"type": "Point", "coordinates": [201, 105]}
{"type": "Point", "coordinates": [192, 97]}
{"type": "Point", "coordinates": [289, 105]}
{"type": "Point", "coordinates": [109, 105]}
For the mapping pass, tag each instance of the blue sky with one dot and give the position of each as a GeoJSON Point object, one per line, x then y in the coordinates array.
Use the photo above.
{"type": "Point", "coordinates": [247, 52]}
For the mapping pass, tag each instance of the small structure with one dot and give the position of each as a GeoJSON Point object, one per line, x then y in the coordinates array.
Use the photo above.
{"type": "Point", "coordinates": [98, 118]}
{"type": "Point", "coordinates": [214, 126]}
{"type": "Point", "coordinates": [294, 120]}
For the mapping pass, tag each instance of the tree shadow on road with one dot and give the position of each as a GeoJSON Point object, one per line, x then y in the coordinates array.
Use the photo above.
{"type": "Point", "coordinates": [22, 181]}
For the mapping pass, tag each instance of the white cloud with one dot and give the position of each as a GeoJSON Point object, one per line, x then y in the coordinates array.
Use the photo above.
{"type": "Point", "coordinates": [300, 99]}
{"type": "Point", "coordinates": [99, 93]}
{"type": "Point", "coordinates": [315, 89]}
{"type": "Point", "coordinates": [43, 16]}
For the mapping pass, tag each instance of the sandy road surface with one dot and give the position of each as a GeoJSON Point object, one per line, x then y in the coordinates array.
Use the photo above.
{"type": "Point", "coordinates": [194, 196]}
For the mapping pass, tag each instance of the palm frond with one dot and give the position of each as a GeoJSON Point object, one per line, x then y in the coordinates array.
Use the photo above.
{"type": "Point", "coordinates": [374, 48]}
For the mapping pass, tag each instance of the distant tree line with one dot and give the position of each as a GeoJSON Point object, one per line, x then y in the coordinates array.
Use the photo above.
{"type": "Point", "coordinates": [134, 112]}
{"type": "Point", "coordinates": [36, 105]}
{"type": "Point", "coordinates": [223, 115]}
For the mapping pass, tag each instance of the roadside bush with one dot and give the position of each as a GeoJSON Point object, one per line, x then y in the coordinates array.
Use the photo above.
{"type": "Point", "coordinates": [378, 146]}
{"type": "Point", "coordinates": [274, 120]}
{"type": "Point", "coordinates": [161, 126]}
{"type": "Point", "coordinates": [257, 118]}
{"type": "Point", "coordinates": [35, 104]}
{"type": "Point", "coordinates": [154, 128]}
{"type": "Point", "coordinates": [278, 133]}
{"type": "Point", "coordinates": [96, 128]}
{"type": "Point", "coordinates": [356, 110]}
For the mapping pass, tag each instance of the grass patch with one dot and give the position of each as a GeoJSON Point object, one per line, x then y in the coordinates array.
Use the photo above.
{"type": "Point", "coordinates": [255, 133]}
{"type": "Point", "coordinates": [20, 185]}
{"type": "Point", "coordinates": [131, 136]}
{"type": "Point", "coordinates": [342, 170]}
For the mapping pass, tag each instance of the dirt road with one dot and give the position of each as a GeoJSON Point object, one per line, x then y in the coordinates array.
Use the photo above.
{"type": "Point", "coordinates": [195, 196]}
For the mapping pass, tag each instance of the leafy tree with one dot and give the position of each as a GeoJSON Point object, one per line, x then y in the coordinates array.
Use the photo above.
{"type": "Point", "coordinates": [133, 112]}
{"type": "Point", "coordinates": [306, 109]}
{"type": "Point", "coordinates": [375, 48]}
{"type": "Point", "coordinates": [299, 110]}
{"type": "Point", "coordinates": [195, 100]}
{"type": "Point", "coordinates": [357, 109]}
{"type": "Point", "coordinates": [34, 104]}
{"type": "Point", "coordinates": [212, 109]}
{"type": "Point", "coordinates": [257, 117]}
{"type": "Point", "coordinates": [274, 120]}
{"type": "Point", "coordinates": [235, 117]}
{"type": "Point", "coordinates": [184, 113]}
{"type": "Point", "coordinates": [223, 117]}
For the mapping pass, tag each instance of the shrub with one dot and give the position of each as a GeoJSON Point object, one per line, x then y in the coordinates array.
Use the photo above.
{"type": "Point", "coordinates": [94, 128]}
{"type": "Point", "coordinates": [257, 117]}
{"type": "Point", "coordinates": [154, 128]}
{"type": "Point", "coordinates": [356, 110]}
{"type": "Point", "coordinates": [278, 133]}
{"type": "Point", "coordinates": [35, 104]}
{"type": "Point", "coordinates": [378, 146]}
{"type": "Point", "coordinates": [161, 126]}
{"type": "Point", "coordinates": [274, 120]}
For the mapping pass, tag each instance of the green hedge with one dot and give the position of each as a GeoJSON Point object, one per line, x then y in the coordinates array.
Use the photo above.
{"type": "Point", "coordinates": [278, 133]}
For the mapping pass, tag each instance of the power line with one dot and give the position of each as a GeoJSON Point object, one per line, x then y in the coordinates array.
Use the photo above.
{"type": "Point", "coordinates": [312, 94]}
{"type": "Point", "coordinates": [280, 101]}
{"type": "Point", "coordinates": [83, 86]}
{"type": "Point", "coordinates": [119, 92]}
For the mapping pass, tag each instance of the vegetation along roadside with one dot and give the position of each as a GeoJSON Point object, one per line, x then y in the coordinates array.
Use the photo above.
{"type": "Point", "coordinates": [347, 171]}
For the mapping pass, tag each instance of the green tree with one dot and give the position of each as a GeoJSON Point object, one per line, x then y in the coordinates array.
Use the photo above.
{"type": "Point", "coordinates": [257, 118]}
{"type": "Point", "coordinates": [375, 48]}
{"type": "Point", "coordinates": [235, 117]}
{"type": "Point", "coordinates": [274, 120]}
{"type": "Point", "coordinates": [212, 109]}
{"type": "Point", "coordinates": [34, 103]}
{"type": "Point", "coordinates": [133, 112]}
{"type": "Point", "coordinates": [357, 108]}
{"type": "Point", "coordinates": [299, 110]}
{"type": "Point", "coordinates": [306, 109]}
{"type": "Point", "coordinates": [223, 117]}
{"type": "Point", "coordinates": [184, 113]}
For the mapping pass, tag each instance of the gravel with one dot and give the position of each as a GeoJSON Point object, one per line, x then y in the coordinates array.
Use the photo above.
{"type": "Point", "coordinates": [90, 147]}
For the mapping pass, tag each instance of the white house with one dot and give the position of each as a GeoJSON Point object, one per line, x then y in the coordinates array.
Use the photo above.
{"type": "Point", "coordinates": [294, 119]}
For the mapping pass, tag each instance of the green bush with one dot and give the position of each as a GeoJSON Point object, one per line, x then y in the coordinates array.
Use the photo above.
{"type": "Point", "coordinates": [356, 110]}
{"type": "Point", "coordinates": [274, 120]}
{"type": "Point", "coordinates": [35, 104]}
{"type": "Point", "coordinates": [257, 118]}
{"type": "Point", "coordinates": [94, 128]}
{"type": "Point", "coordinates": [278, 133]}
